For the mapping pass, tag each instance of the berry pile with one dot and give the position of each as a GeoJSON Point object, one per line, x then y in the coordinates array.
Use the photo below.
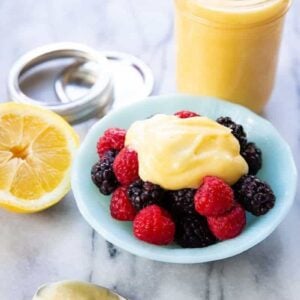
{"type": "Point", "coordinates": [192, 218]}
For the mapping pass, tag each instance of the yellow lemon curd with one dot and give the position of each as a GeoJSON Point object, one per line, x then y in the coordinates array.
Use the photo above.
{"type": "Point", "coordinates": [229, 48]}
{"type": "Point", "coordinates": [73, 290]}
{"type": "Point", "coordinates": [178, 153]}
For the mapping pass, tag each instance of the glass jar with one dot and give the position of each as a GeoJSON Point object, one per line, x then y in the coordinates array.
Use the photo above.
{"type": "Point", "coordinates": [229, 48]}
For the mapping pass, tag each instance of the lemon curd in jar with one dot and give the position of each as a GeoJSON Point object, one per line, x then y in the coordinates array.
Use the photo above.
{"type": "Point", "coordinates": [229, 48]}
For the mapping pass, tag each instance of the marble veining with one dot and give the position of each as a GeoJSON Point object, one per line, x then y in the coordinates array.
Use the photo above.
{"type": "Point", "coordinates": [58, 244]}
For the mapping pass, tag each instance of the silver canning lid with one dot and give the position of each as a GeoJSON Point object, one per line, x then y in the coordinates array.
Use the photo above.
{"type": "Point", "coordinates": [99, 97]}
{"type": "Point", "coordinates": [132, 78]}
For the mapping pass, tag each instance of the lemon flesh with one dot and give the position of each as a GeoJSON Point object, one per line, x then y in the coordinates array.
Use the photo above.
{"type": "Point", "coordinates": [36, 151]}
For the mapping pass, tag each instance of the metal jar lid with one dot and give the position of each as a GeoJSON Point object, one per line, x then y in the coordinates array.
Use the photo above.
{"type": "Point", "coordinates": [105, 73]}
{"type": "Point", "coordinates": [133, 80]}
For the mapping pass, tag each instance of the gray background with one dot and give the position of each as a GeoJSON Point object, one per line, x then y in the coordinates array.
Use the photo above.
{"type": "Point", "coordinates": [58, 244]}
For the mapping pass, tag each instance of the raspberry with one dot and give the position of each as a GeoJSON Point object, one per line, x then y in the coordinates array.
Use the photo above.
{"type": "Point", "coordinates": [214, 197]}
{"type": "Point", "coordinates": [102, 173]}
{"type": "Point", "coordinates": [113, 138]}
{"type": "Point", "coordinates": [154, 225]}
{"type": "Point", "coordinates": [144, 193]}
{"type": "Point", "coordinates": [184, 114]}
{"type": "Point", "coordinates": [120, 206]}
{"type": "Point", "coordinates": [181, 202]}
{"type": "Point", "coordinates": [255, 195]}
{"type": "Point", "coordinates": [126, 166]}
{"type": "Point", "coordinates": [193, 232]}
{"type": "Point", "coordinates": [252, 155]}
{"type": "Point", "coordinates": [228, 225]}
{"type": "Point", "coordinates": [236, 129]}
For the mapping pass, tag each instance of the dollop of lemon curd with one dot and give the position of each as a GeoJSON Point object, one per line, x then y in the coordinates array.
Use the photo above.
{"type": "Point", "coordinates": [74, 290]}
{"type": "Point", "coordinates": [178, 153]}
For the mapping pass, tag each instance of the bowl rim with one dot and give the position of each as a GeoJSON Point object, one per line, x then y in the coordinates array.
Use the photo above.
{"type": "Point", "coordinates": [184, 257]}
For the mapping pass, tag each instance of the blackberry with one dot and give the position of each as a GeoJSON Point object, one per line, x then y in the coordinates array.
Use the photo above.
{"type": "Point", "coordinates": [103, 175]}
{"type": "Point", "coordinates": [181, 202]}
{"type": "Point", "coordinates": [143, 193]}
{"type": "Point", "coordinates": [193, 232]}
{"type": "Point", "coordinates": [253, 157]}
{"type": "Point", "coordinates": [236, 129]}
{"type": "Point", "coordinates": [254, 195]}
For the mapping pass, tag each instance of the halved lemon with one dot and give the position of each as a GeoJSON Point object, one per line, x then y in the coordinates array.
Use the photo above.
{"type": "Point", "coordinates": [36, 151]}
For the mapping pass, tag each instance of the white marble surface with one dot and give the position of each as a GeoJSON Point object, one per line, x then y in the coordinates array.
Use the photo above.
{"type": "Point", "coordinates": [58, 244]}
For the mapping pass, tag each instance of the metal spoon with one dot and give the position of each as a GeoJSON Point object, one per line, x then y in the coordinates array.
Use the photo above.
{"type": "Point", "coordinates": [44, 291]}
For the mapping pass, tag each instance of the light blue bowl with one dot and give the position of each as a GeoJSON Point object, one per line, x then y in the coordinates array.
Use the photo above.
{"type": "Point", "coordinates": [278, 170]}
